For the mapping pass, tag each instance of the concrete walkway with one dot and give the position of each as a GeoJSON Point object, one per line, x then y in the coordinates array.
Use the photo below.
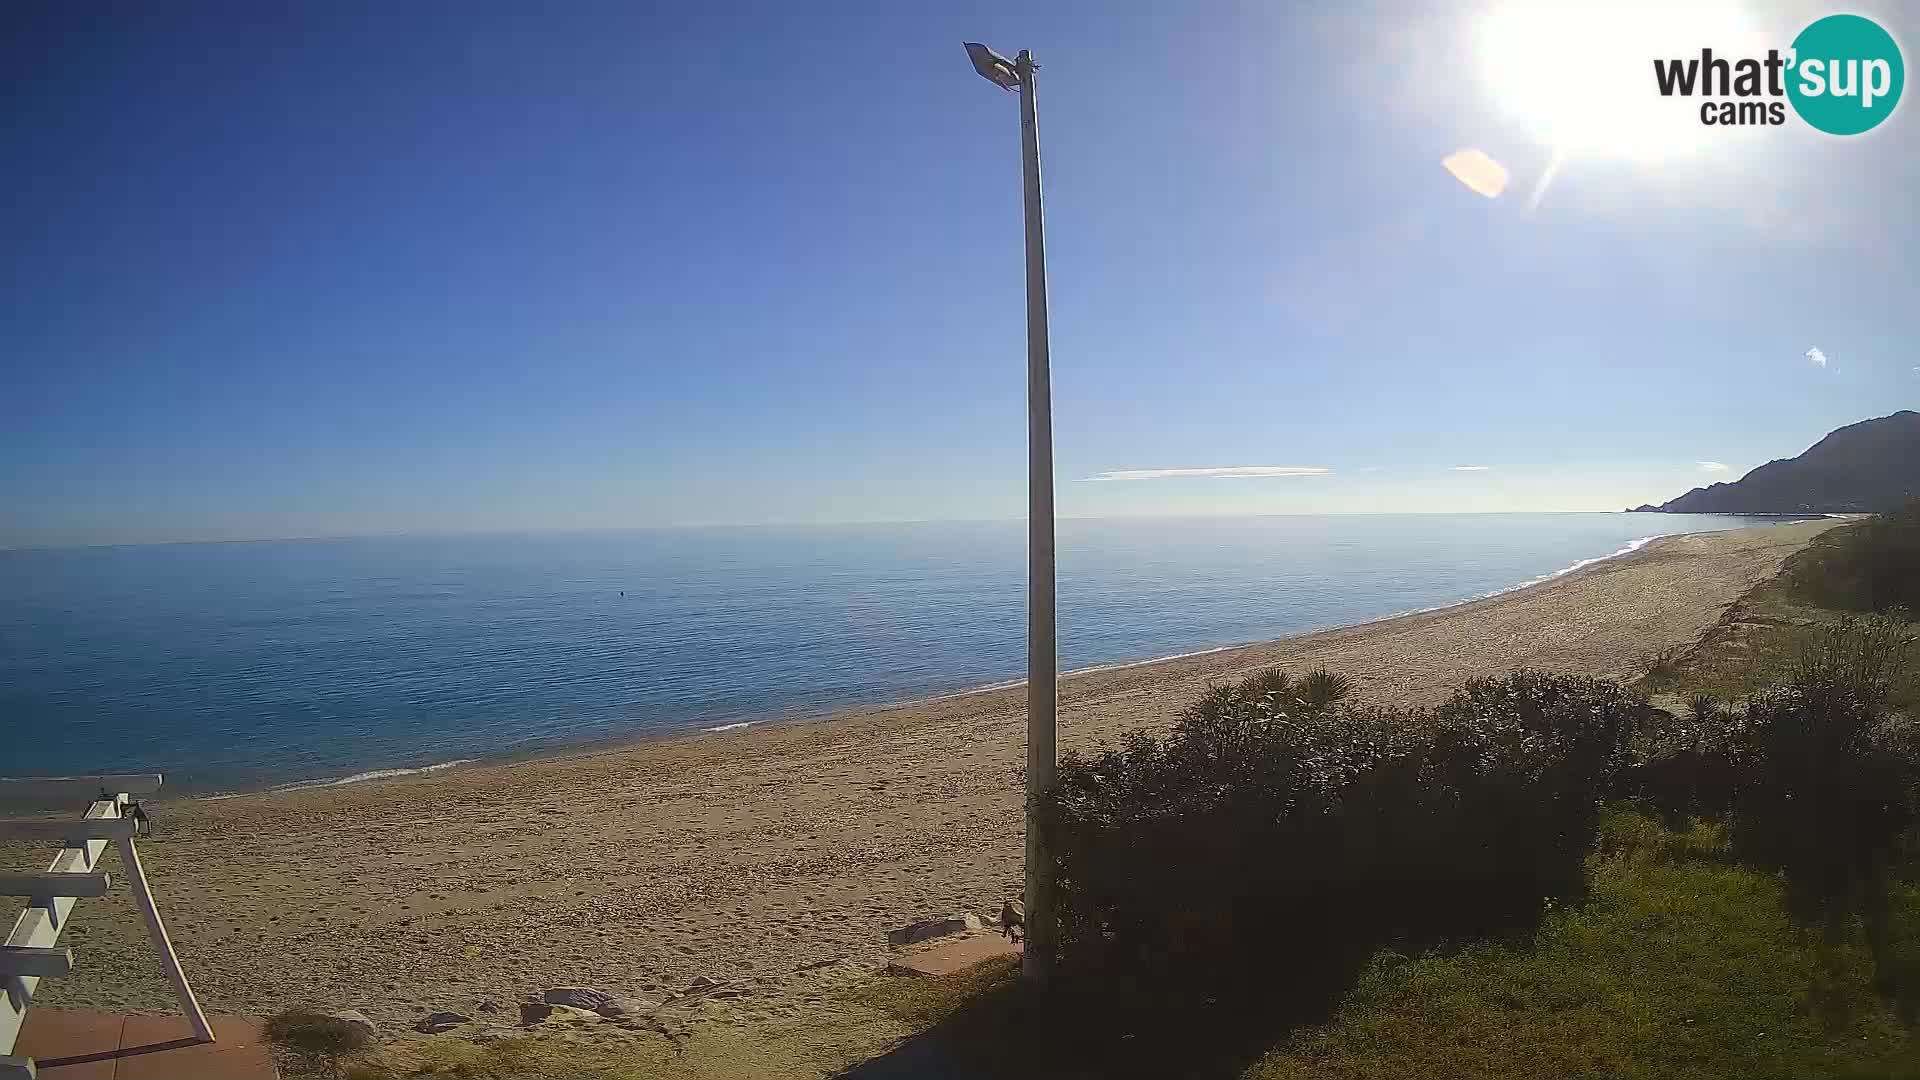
{"type": "Point", "coordinates": [76, 1044]}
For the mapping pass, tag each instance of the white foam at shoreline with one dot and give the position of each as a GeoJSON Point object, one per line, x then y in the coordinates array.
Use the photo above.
{"type": "Point", "coordinates": [1632, 546]}
{"type": "Point", "coordinates": [1629, 548]}
{"type": "Point", "coordinates": [342, 781]}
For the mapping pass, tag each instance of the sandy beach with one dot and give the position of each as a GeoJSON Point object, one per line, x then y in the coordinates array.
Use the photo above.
{"type": "Point", "coordinates": [774, 858]}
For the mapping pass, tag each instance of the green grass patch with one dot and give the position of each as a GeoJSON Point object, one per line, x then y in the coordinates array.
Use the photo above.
{"type": "Point", "coordinates": [1681, 965]}
{"type": "Point", "coordinates": [923, 1004]}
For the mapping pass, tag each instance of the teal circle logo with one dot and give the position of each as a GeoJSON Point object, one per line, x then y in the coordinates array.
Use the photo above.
{"type": "Point", "coordinates": [1846, 76]}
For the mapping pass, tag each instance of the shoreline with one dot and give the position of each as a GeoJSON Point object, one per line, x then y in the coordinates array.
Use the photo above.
{"type": "Point", "coordinates": [618, 743]}
{"type": "Point", "coordinates": [773, 858]}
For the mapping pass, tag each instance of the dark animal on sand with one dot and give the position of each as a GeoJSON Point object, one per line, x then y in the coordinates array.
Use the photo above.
{"type": "Point", "coordinates": [1013, 919]}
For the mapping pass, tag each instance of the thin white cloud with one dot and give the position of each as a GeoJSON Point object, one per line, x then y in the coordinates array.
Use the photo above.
{"type": "Point", "coordinates": [1819, 358]}
{"type": "Point", "coordinates": [1471, 468]}
{"type": "Point", "coordinates": [1218, 472]}
{"type": "Point", "coordinates": [1712, 466]}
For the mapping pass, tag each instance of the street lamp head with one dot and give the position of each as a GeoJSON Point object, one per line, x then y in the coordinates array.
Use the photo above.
{"type": "Point", "coordinates": [993, 67]}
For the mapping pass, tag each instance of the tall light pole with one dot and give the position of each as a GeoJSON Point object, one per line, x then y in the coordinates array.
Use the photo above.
{"type": "Point", "coordinates": [1017, 75]}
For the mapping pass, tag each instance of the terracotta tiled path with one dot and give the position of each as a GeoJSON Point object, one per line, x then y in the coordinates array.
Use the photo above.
{"type": "Point", "coordinates": [72, 1044]}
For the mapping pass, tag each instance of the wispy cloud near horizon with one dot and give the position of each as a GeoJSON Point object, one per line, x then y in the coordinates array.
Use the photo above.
{"type": "Point", "coordinates": [1818, 357]}
{"type": "Point", "coordinates": [1712, 466]}
{"type": "Point", "coordinates": [1221, 472]}
{"type": "Point", "coordinates": [1471, 468]}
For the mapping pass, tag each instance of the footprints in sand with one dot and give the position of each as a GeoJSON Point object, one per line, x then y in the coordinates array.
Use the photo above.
{"type": "Point", "coordinates": [779, 880]}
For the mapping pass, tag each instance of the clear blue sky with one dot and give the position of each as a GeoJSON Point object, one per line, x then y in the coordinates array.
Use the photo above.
{"type": "Point", "coordinates": [332, 268]}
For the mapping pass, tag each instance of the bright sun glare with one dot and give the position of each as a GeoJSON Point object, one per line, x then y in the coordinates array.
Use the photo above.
{"type": "Point", "coordinates": [1581, 77]}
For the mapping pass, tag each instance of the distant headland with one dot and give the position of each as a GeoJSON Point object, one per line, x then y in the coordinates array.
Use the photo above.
{"type": "Point", "coordinates": [1862, 468]}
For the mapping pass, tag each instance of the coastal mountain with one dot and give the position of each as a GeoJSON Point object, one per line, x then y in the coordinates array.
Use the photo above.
{"type": "Point", "coordinates": [1868, 467]}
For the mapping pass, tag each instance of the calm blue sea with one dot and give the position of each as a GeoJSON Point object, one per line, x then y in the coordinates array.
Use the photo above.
{"type": "Point", "coordinates": [238, 665]}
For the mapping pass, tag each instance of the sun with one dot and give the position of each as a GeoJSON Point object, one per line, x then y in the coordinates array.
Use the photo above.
{"type": "Point", "coordinates": [1580, 78]}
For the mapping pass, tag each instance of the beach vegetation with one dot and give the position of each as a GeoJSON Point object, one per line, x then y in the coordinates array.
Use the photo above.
{"type": "Point", "coordinates": [318, 1042]}
{"type": "Point", "coordinates": [1276, 821]}
{"type": "Point", "coordinates": [1859, 572]}
{"type": "Point", "coordinates": [1680, 963]}
{"type": "Point", "coordinates": [524, 1058]}
{"type": "Point", "coordinates": [1663, 669]}
{"type": "Point", "coordinates": [1544, 875]}
{"type": "Point", "coordinates": [1541, 876]}
{"type": "Point", "coordinates": [1870, 566]}
{"type": "Point", "coordinates": [1815, 778]}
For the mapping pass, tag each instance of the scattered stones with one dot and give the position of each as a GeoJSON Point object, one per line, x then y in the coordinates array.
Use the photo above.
{"type": "Point", "coordinates": [932, 928]}
{"type": "Point", "coordinates": [579, 997]}
{"type": "Point", "coordinates": [619, 1006]}
{"type": "Point", "coordinates": [358, 1019]}
{"type": "Point", "coordinates": [699, 984]}
{"type": "Point", "coordinates": [489, 1005]}
{"type": "Point", "coordinates": [532, 1012]}
{"type": "Point", "coordinates": [435, 1023]}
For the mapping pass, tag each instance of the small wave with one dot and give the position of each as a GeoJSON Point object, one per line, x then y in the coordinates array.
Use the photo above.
{"type": "Point", "coordinates": [1013, 684]}
{"type": "Point", "coordinates": [1631, 547]}
{"type": "Point", "coordinates": [1121, 665]}
{"type": "Point", "coordinates": [342, 781]}
{"type": "Point", "coordinates": [376, 774]}
{"type": "Point", "coordinates": [736, 726]}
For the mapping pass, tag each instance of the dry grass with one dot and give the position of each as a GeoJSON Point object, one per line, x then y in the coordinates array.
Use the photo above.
{"type": "Point", "coordinates": [1761, 639]}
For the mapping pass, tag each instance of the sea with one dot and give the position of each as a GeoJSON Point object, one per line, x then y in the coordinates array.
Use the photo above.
{"type": "Point", "coordinates": [241, 666]}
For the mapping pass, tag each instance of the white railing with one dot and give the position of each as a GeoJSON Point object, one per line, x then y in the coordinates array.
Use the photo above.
{"type": "Point", "coordinates": [31, 951]}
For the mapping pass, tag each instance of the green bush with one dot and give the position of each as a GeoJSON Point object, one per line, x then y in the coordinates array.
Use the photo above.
{"type": "Point", "coordinates": [1827, 771]}
{"type": "Point", "coordinates": [1277, 821]}
{"type": "Point", "coordinates": [1873, 566]}
{"type": "Point", "coordinates": [1691, 765]}
{"type": "Point", "coordinates": [1815, 777]}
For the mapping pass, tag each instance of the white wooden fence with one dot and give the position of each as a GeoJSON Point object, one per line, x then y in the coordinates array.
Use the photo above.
{"type": "Point", "coordinates": [31, 951]}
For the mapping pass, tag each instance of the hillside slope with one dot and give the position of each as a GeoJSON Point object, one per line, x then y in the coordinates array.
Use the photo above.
{"type": "Point", "coordinates": [1867, 467]}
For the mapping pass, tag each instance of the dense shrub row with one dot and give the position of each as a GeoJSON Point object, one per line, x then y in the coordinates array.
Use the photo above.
{"type": "Point", "coordinates": [1814, 778]}
{"type": "Point", "coordinates": [1277, 821]}
{"type": "Point", "coordinates": [1873, 566]}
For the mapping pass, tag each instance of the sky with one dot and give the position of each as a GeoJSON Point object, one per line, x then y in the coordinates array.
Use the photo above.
{"type": "Point", "coordinates": [325, 269]}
